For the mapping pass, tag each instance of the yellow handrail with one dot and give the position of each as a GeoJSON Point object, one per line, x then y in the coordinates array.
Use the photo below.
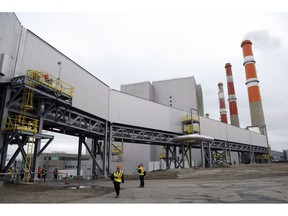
{"type": "Point", "coordinates": [51, 81]}
{"type": "Point", "coordinates": [20, 122]}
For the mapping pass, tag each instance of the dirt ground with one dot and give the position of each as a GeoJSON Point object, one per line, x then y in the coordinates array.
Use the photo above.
{"type": "Point", "coordinates": [60, 192]}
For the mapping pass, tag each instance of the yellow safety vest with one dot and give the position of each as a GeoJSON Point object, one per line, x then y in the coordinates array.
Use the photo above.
{"type": "Point", "coordinates": [141, 170]}
{"type": "Point", "coordinates": [118, 177]}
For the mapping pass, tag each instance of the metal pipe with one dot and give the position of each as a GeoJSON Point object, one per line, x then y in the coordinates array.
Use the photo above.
{"type": "Point", "coordinates": [190, 137]}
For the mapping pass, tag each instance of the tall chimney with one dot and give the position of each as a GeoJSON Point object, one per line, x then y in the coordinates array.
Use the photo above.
{"type": "Point", "coordinates": [231, 96]}
{"type": "Point", "coordinates": [252, 82]}
{"type": "Point", "coordinates": [223, 111]}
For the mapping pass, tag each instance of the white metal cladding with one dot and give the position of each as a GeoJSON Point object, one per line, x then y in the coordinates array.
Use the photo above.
{"type": "Point", "coordinates": [10, 29]}
{"type": "Point", "coordinates": [210, 127]}
{"type": "Point", "coordinates": [236, 134]}
{"type": "Point", "coordinates": [132, 110]}
{"type": "Point", "coordinates": [258, 139]}
{"type": "Point", "coordinates": [143, 90]}
{"type": "Point", "coordinates": [180, 93]}
{"type": "Point", "coordinates": [90, 94]}
{"type": "Point", "coordinates": [221, 131]}
{"type": "Point", "coordinates": [199, 96]}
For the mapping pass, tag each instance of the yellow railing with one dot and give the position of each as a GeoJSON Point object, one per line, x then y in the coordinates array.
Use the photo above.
{"type": "Point", "coordinates": [29, 159]}
{"type": "Point", "coordinates": [187, 118]}
{"type": "Point", "coordinates": [188, 129]}
{"type": "Point", "coordinates": [162, 155]}
{"type": "Point", "coordinates": [20, 122]}
{"type": "Point", "coordinates": [51, 81]}
{"type": "Point", "coordinates": [117, 149]}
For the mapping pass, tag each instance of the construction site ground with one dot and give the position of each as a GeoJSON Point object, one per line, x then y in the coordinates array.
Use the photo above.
{"type": "Point", "coordinates": [251, 183]}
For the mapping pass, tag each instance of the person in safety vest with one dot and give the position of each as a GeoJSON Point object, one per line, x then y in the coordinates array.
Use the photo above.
{"type": "Point", "coordinates": [141, 171]}
{"type": "Point", "coordinates": [117, 177]}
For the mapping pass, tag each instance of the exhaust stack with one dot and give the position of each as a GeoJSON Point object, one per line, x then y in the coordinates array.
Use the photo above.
{"type": "Point", "coordinates": [252, 82]}
{"type": "Point", "coordinates": [231, 96]}
{"type": "Point", "coordinates": [223, 115]}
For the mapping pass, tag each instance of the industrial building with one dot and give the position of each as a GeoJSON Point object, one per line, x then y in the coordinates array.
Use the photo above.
{"type": "Point", "coordinates": [159, 124]}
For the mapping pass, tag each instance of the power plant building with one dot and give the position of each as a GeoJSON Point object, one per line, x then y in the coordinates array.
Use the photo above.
{"type": "Point", "coordinates": [41, 89]}
{"type": "Point", "coordinates": [181, 93]}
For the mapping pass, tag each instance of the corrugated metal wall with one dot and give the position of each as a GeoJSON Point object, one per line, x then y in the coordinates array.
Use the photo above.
{"type": "Point", "coordinates": [180, 93]}
{"type": "Point", "coordinates": [222, 131]}
{"type": "Point", "coordinates": [131, 110]}
{"type": "Point", "coordinates": [143, 90]}
{"type": "Point", "coordinates": [91, 94]}
{"type": "Point", "coordinates": [10, 29]}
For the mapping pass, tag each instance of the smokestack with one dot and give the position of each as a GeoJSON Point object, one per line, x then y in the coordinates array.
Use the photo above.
{"type": "Point", "coordinates": [223, 111]}
{"type": "Point", "coordinates": [231, 96]}
{"type": "Point", "coordinates": [252, 82]}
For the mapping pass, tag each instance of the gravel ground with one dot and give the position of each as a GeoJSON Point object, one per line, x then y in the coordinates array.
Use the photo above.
{"type": "Point", "coordinates": [60, 192]}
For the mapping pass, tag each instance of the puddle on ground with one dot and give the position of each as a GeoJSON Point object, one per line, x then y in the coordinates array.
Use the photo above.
{"type": "Point", "coordinates": [83, 187]}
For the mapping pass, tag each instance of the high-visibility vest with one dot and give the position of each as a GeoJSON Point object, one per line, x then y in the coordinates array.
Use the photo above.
{"type": "Point", "coordinates": [118, 176]}
{"type": "Point", "coordinates": [141, 171]}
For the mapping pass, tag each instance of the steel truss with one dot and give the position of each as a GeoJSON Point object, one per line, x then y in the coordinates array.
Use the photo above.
{"type": "Point", "coordinates": [141, 135]}
{"type": "Point", "coordinates": [20, 138]}
{"type": "Point", "coordinates": [54, 111]}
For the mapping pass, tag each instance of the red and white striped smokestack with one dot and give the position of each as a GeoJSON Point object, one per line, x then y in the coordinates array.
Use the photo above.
{"type": "Point", "coordinates": [231, 96]}
{"type": "Point", "coordinates": [223, 115]}
{"type": "Point", "coordinates": [252, 82]}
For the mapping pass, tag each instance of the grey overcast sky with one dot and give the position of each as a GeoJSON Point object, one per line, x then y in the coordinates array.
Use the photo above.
{"type": "Point", "coordinates": [122, 45]}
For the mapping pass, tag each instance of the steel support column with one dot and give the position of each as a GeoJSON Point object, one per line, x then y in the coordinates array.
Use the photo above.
{"type": "Point", "coordinates": [225, 152]}
{"type": "Point", "coordinates": [93, 150]}
{"type": "Point", "coordinates": [109, 149]}
{"type": "Point", "coordinates": [190, 156]}
{"type": "Point", "coordinates": [229, 146]}
{"type": "Point", "coordinates": [79, 155]}
{"type": "Point", "coordinates": [202, 154]}
{"type": "Point", "coordinates": [183, 156]}
{"type": "Point", "coordinates": [167, 157]}
{"type": "Point", "coordinates": [37, 146]}
{"type": "Point", "coordinates": [209, 155]}
{"type": "Point", "coordinates": [175, 157]}
{"type": "Point", "coordinates": [3, 113]}
{"type": "Point", "coordinates": [105, 145]}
